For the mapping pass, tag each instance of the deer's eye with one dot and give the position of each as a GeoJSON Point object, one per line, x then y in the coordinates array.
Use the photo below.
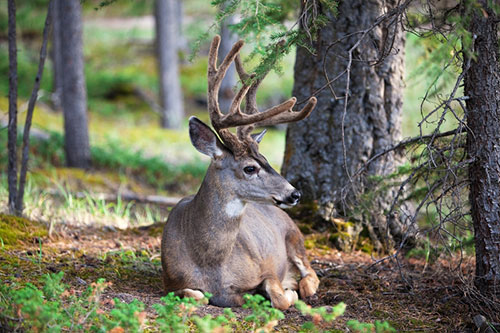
{"type": "Point", "coordinates": [250, 169]}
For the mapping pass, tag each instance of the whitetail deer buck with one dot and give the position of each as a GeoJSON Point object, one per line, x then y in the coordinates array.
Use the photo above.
{"type": "Point", "coordinates": [230, 238]}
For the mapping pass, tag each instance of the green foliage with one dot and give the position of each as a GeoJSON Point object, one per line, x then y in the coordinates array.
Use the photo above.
{"type": "Point", "coordinates": [112, 155]}
{"type": "Point", "coordinates": [262, 23]}
{"type": "Point", "coordinates": [378, 327]}
{"type": "Point", "coordinates": [107, 85]}
{"type": "Point", "coordinates": [128, 316]}
{"type": "Point", "coordinates": [321, 314]}
{"type": "Point", "coordinates": [30, 17]}
{"type": "Point", "coordinates": [153, 169]}
{"type": "Point", "coordinates": [56, 307]}
{"type": "Point", "coordinates": [52, 309]}
{"type": "Point", "coordinates": [208, 324]}
{"type": "Point", "coordinates": [27, 68]}
{"type": "Point", "coordinates": [114, 7]}
{"type": "Point", "coordinates": [174, 313]}
{"type": "Point", "coordinates": [53, 286]}
{"type": "Point", "coordinates": [262, 312]}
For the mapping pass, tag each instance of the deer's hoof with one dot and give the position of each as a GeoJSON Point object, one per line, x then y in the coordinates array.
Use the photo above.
{"type": "Point", "coordinates": [308, 285]}
{"type": "Point", "coordinates": [196, 294]}
{"type": "Point", "coordinates": [291, 296]}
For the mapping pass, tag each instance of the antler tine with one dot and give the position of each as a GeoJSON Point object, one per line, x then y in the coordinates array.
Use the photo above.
{"type": "Point", "coordinates": [244, 76]}
{"type": "Point", "coordinates": [212, 55]}
{"type": "Point", "coordinates": [216, 75]}
{"type": "Point", "coordinates": [244, 121]}
{"type": "Point", "coordinates": [289, 115]}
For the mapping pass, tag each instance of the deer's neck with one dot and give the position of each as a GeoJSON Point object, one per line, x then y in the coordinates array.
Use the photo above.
{"type": "Point", "coordinates": [215, 219]}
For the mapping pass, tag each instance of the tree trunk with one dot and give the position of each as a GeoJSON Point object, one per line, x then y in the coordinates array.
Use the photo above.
{"type": "Point", "coordinates": [314, 153]}
{"type": "Point", "coordinates": [482, 86]}
{"type": "Point", "coordinates": [12, 127]}
{"type": "Point", "coordinates": [31, 109]}
{"type": "Point", "coordinates": [168, 63]}
{"type": "Point", "coordinates": [56, 54]}
{"type": "Point", "coordinates": [182, 42]}
{"type": "Point", "coordinates": [74, 94]}
{"type": "Point", "coordinates": [228, 38]}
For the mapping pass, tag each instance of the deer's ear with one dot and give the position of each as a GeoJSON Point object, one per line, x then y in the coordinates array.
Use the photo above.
{"type": "Point", "coordinates": [204, 139]}
{"type": "Point", "coordinates": [258, 136]}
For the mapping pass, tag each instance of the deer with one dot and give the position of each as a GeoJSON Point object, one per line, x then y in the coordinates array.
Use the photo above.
{"type": "Point", "coordinates": [232, 237]}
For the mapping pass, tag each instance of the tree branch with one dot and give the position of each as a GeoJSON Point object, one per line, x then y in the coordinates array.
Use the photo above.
{"type": "Point", "coordinates": [406, 143]}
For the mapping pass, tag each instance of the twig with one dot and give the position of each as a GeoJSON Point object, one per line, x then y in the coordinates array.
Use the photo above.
{"type": "Point", "coordinates": [12, 128]}
{"type": "Point", "coordinates": [31, 108]}
{"type": "Point", "coordinates": [406, 143]}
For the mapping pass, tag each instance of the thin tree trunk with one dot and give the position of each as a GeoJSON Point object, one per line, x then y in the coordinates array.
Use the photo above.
{"type": "Point", "coordinates": [315, 148]}
{"type": "Point", "coordinates": [12, 127]}
{"type": "Point", "coordinates": [168, 63]}
{"type": "Point", "coordinates": [31, 108]}
{"type": "Point", "coordinates": [74, 95]}
{"type": "Point", "coordinates": [228, 38]}
{"type": "Point", "coordinates": [482, 86]}
{"type": "Point", "coordinates": [56, 54]}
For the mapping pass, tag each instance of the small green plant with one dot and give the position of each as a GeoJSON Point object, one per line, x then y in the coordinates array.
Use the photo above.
{"type": "Point", "coordinates": [378, 327]}
{"type": "Point", "coordinates": [208, 324]}
{"type": "Point", "coordinates": [263, 317]}
{"type": "Point", "coordinates": [130, 317]}
{"type": "Point", "coordinates": [56, 307]}
{"type": "Point", "coordinates": [53, 308]}
{"type": "Point", "coordinates": [174, 313]}
{"type": "Point", "coordinates": [319, 315]}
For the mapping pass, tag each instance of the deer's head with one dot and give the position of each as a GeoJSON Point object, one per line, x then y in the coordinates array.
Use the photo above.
{"type": "Point", "coordinates": [243, 171]}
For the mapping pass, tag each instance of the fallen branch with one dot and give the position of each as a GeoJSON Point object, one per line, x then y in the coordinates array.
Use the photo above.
{"type": "Point", "coordinates": [151, 199]}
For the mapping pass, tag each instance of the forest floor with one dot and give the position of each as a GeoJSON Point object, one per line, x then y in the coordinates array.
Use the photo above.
{"type": "Point", "coordinates": [409, 294]}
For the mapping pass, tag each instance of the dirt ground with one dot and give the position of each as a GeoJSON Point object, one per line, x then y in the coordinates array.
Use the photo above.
{"type": "Point", "coordinates": [412, 296]}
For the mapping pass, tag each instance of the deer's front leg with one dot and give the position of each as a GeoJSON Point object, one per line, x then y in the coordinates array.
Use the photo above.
{"type": "Point", "coordinates": [280, 298]}
{"type": "Point", "coordinates": [309, 282]}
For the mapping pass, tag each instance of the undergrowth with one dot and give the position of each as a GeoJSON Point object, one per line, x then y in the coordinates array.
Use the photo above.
{"type": "Point", "coordinates": [153, 170]}
{"type": "Point", "coordinates": [55, 307]}
{"type": "Point", "coordinates": [62, 206]}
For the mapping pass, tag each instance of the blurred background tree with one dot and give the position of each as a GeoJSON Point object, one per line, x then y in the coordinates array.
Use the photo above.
{"type": "Point", "coordinates": [73, 88]}
{"type": "Point", "coordinates": [168, 39]}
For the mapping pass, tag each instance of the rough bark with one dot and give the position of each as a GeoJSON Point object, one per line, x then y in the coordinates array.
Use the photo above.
{"type": "Point", "coordinates": [12, 127]}
{"type": "Point", "coordinates": [314, 153]}
{"type": "Point", "coordinates": [228, 38]}
{"type": "Point", "coordinates": [482, 86]}
{"type": "Point", "coordinates": [74, 94]}
{"type": "Point", "coordinates": [56, 54]}
{"type": "Point", "coordinates": [168, 63]}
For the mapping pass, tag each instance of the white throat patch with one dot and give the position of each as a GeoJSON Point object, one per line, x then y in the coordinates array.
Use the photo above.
{"type": "Point", "coordinates": [234, 208]}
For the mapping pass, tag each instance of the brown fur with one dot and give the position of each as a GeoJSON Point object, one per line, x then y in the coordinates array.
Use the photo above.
{"type": "Point", "coordinates": [229, 239]}
{"type": "Point", "coordinates": [204, 249]}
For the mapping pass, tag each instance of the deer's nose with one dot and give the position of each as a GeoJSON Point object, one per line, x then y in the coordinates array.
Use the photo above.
{"type": "Point", "coordinates": [296, 195]}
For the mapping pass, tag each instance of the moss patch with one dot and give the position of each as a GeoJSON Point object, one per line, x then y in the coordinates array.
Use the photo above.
{"type": "Point", "coordinates": [15, 231]}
